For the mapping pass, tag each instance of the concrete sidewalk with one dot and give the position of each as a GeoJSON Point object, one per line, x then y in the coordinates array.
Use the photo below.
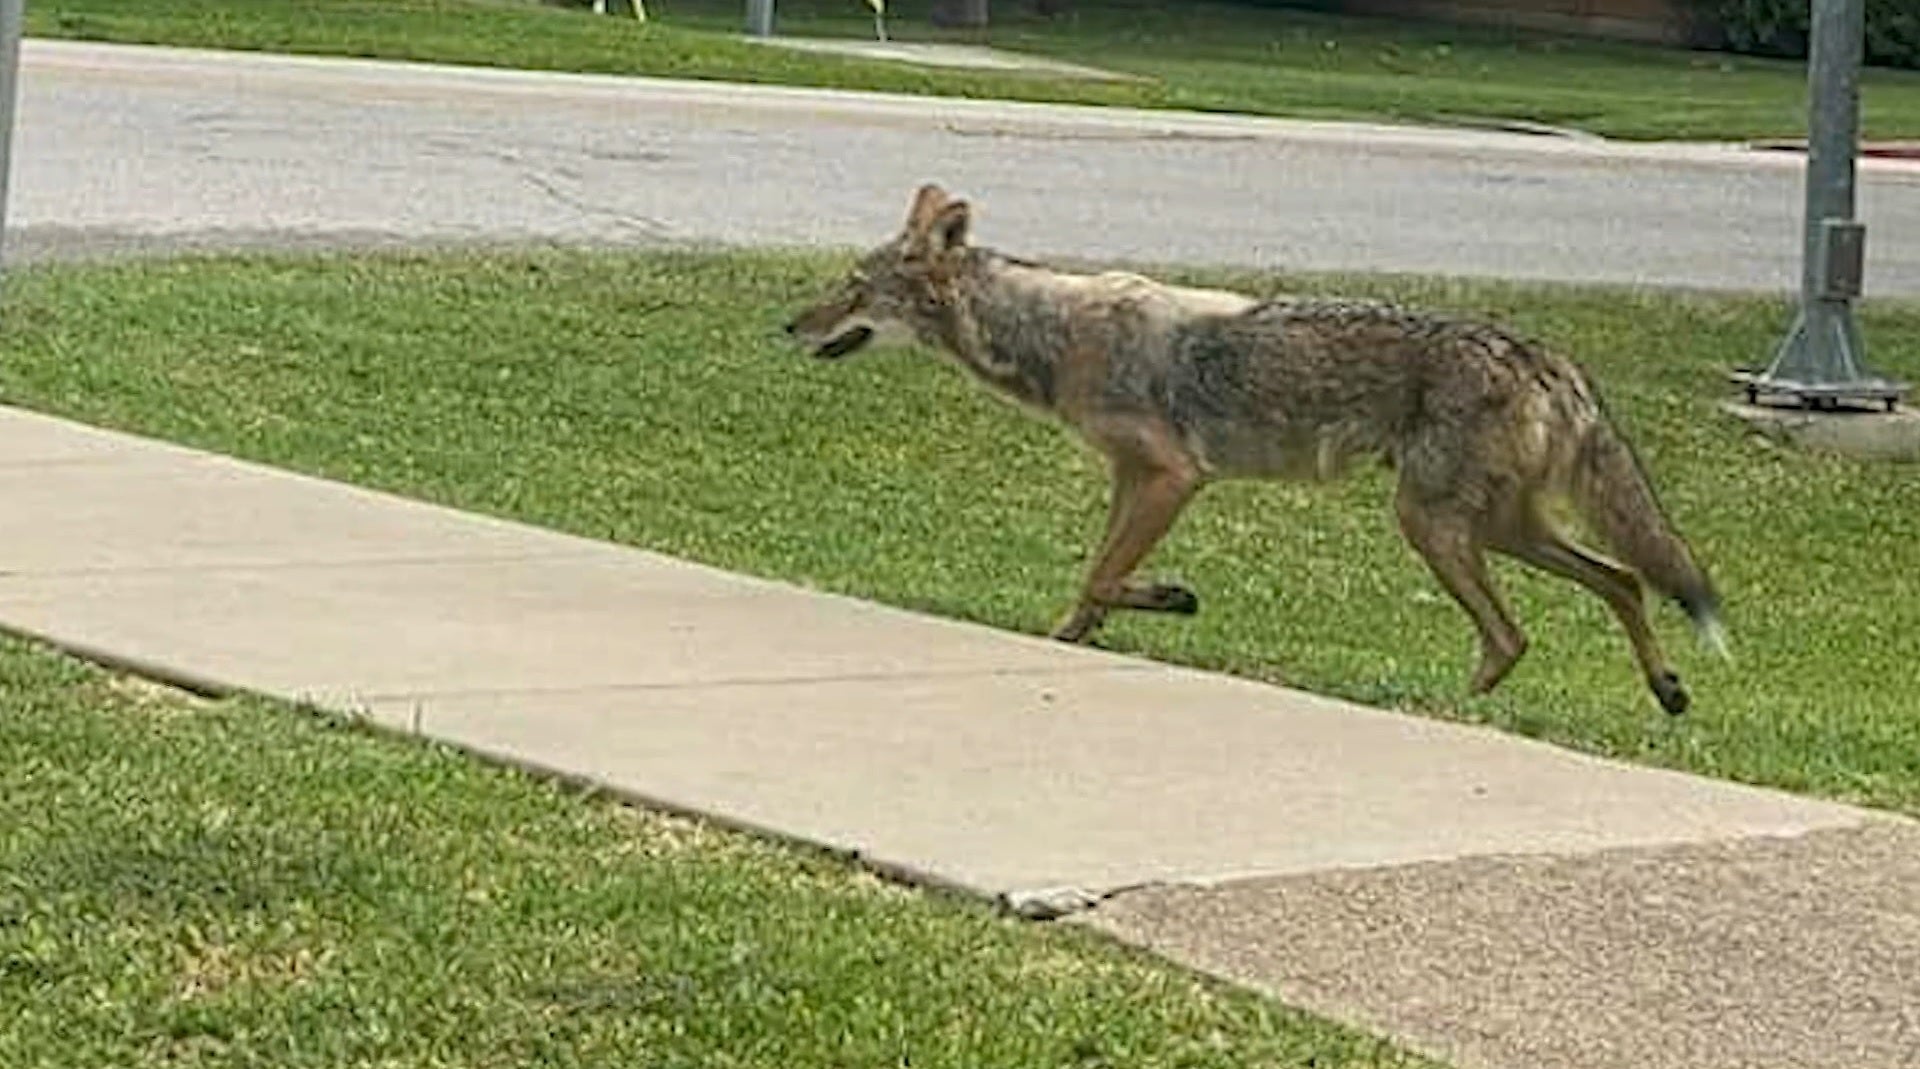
{"type": "Point", "coordinates": [1259, 832]}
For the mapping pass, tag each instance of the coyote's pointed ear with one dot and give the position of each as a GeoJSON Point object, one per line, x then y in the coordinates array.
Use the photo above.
{"type": "Point", "coordinates": [950, 227]}
{"type": "Point", "coordinates": [927, 202]}
{"type": "Point", "coordinates": [937, 222]}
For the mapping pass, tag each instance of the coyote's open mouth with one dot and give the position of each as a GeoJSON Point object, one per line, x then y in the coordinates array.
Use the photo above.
{"type": "Point", "coordinates": [844, 342]}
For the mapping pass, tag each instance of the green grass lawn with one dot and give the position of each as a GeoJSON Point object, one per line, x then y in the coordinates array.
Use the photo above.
{"type": "Point", "coordinates": [184, 884]}
{"type": "Point", "coordinates": [649, 399]}
{"type": "Point", "coordinates": [1207, 56]}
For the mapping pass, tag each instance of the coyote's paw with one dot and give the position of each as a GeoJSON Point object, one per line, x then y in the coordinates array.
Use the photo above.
{"type": "Point", "coordinates": [1080, 623]}
{"type": "Point", "coordinates": [1673, 697]}
{"type": "Point", "coordinates": [1173, 598]}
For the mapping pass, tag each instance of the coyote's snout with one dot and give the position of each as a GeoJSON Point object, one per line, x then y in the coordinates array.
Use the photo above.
{"type": "Point", "coordinates": [1178, 386]}
{"type": "Point", "coordinates": [831, 328]}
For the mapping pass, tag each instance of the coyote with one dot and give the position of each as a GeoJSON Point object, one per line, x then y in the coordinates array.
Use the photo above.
{"type": "Point", "coordinates": [1177, 386]}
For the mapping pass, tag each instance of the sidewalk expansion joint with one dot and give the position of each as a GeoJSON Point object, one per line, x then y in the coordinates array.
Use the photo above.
{"type": "Point", "coordinates": [905, 675]}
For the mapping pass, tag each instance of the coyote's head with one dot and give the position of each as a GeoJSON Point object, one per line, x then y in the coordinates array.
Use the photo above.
{"type": "Point", "coordinates": [908, 282]}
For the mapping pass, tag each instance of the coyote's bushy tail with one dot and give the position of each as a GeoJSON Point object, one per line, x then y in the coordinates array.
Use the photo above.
{"type": "Point", "coordinates": [1612, 492]}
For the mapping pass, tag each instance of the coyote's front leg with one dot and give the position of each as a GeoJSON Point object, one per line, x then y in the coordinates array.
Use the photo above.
{"type": "Point", "coordinates": [1146, 499]}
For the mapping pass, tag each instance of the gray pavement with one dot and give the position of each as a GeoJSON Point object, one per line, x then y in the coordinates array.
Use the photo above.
{"type": "Point", "coordinates": [1461, 889]}
{"type": "Point", "coordinates": [135, 147]}
{"type": "Point", "coordinates": [1792, 953]}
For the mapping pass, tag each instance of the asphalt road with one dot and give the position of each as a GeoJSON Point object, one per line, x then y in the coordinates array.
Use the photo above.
{"type": "Point", "coordinates": [1761, 953]}
{"type": "Point", "coordinates": [139, 148]}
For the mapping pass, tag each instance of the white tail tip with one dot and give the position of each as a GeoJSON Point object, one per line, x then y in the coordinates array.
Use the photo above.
{"type": "Point", "coordinates": [1713, 635]}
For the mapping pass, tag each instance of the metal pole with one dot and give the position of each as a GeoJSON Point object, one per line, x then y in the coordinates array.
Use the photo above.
{"type": "Point", "coordinates": [11, 16]}
{"type": "Point", "coordinates": [760, 18]}
{"type": "Point", "coordinates": [1821, 361]}
{"type": "Point", "coordinates": [1833, 124]}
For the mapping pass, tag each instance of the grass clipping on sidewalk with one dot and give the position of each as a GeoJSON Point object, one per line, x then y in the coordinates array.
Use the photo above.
{"type": "Point", "coordinates": [185, 884]}
{"type": "Point", "coordinates": [650, 399]}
